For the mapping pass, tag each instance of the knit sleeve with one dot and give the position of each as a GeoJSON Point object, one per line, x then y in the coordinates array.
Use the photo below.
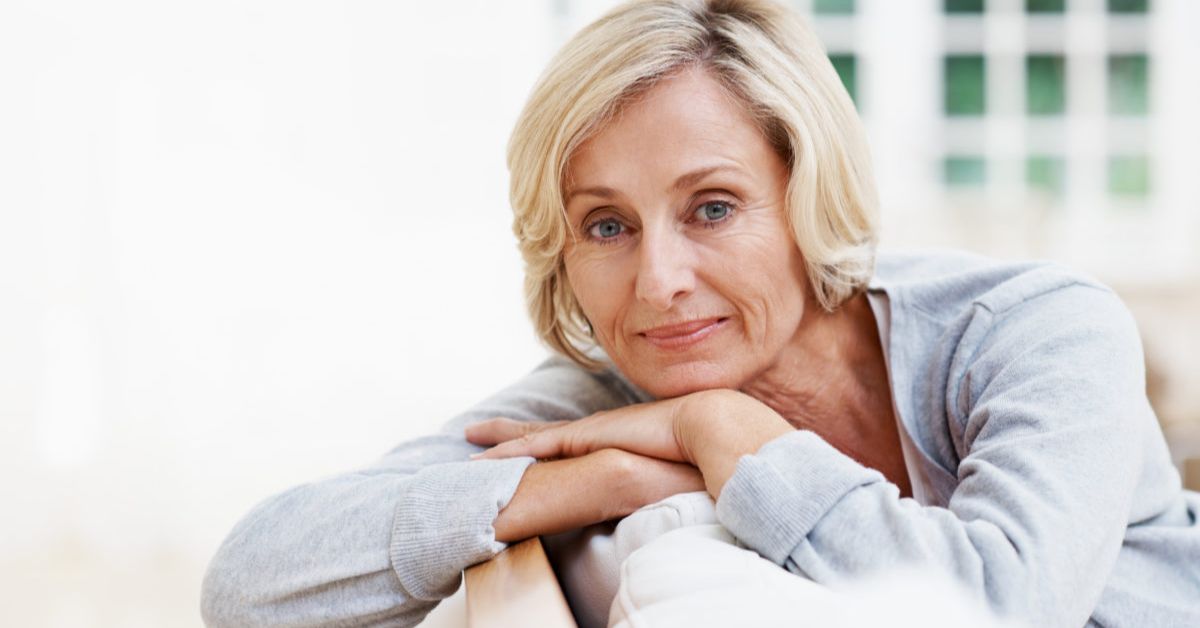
{"type": "Point", "coordinates": [1053, 408]}
{"type": "Point", "coordinates": [384, 544]}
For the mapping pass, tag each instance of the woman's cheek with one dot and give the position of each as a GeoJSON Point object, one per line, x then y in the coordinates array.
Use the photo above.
{"type": "Point", "coordinates": [598, 291]}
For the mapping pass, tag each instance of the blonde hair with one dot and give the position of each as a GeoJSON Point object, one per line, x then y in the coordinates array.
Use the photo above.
{"type": "Point", "coordinates": [762, 53]}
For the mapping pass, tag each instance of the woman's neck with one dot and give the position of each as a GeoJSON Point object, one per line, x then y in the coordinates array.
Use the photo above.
{"type": "Point", "coordinates": [832, 379]}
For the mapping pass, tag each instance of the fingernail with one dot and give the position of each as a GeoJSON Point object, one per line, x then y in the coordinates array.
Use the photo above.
{"type": "Point", "coordinates": [474, 456]}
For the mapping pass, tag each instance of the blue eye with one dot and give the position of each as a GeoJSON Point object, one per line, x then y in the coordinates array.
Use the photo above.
{"type": "Point", "coordinates": [714, 211]}
{"type": "Point", "coordinates": [606, 229]}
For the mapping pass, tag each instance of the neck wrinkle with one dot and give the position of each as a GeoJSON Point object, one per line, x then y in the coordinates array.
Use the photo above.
{"type": "Point", "coordinates": [828, 374]}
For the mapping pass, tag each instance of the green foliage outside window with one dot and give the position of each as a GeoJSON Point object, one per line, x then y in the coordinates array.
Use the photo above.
{"type": "Point", "coordinates": [1129, 175]}
{"type": "Point", "coordinates": [1046, 174]}
{"type": "Point", "coordinates": [1045, 6]}
{"type": "Point", "coordinates": [964, 172]}
{"type": "Point", "coordinates": [1127, 84]}
{"type": "Point", "coordinates": [1045, 89]}
{"type": "Point", "coordinates": [833, 6]}
{"type": "Point", "coordinates": [964, 85]}
{"type": "Point", "coordinates": [1128, 6]}
{"type": "Point", "coordinates": [963, 6]}
{"type": "Point", "coordinates": [847, 69]}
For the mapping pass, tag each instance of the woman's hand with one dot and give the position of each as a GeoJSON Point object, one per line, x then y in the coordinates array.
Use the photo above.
{"type": "Point", "coordinates": [647, 429]}
{"type": "Point", "coordinates": [708, 429]}
{"type": "Point", "coordinates": [500, 429]}
{"type": "Point", "coordinates": [567, 494]}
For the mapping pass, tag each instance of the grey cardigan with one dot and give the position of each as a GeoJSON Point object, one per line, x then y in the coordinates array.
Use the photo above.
{"type": "Point", "coordinates": [1041, 478]}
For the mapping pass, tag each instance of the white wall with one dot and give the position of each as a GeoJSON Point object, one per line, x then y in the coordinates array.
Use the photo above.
{"type": "Point", "coordinates": [243, 244]}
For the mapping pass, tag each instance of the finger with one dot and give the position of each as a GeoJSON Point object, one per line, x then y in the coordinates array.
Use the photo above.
{"type": "Point", "coordinates": [499, 429]}
{"type": "Point", "coordinates": [495, 430]}
{"type": "Point", "coordinates": [541, 444]}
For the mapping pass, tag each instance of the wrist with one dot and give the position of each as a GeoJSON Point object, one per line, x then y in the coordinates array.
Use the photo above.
{"type": "Point", "coordinates": [622, 483]}
{"type": "Point", "coordinates": [734, 425]}
{"type": "Point", "coordinates": [561, 495]}
{"type": "Point", "coordinates": [636, 481]}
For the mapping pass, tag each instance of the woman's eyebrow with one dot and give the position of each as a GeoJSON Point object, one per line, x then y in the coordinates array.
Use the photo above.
{"type": "Point", "coordinates": [683, 181]}
{"type": "Point", "coordinates": [596, 190]}
{"type": "Point", "coordinates": [698, 175]}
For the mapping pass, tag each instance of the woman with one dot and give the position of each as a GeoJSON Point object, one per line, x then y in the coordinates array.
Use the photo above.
{"type": "Point", "coordinates": [693, 200]}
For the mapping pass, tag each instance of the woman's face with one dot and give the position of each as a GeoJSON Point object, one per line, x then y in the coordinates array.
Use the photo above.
{"type": "Point", "coordinates": [682, 259]}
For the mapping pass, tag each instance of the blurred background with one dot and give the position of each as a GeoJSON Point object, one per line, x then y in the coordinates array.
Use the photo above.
{"type": "Point", "coordinates": [246, 244]}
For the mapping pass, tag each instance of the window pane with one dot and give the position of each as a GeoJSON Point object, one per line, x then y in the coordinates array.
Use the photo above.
{"type": "Point", "coordinates": [1046, 174]}
{"type": "Point", "coordinates": [1127, 84]}
{"type": "Point", "coordinates": [964, 85]}
{"type": "Point", "coordinates": [847, 68]}
{"type": "Point", "coordinates": [963, 6]}
{"type": "Point", "coordinates": [1127, 6]}
{"type": "Point", "coordinates": [1045, 93]}
{"type": "Point", "coordinates": [1128, 175]}
{"type": "Point", "coordinates": [833, 6]}
{"type": "Point", "coordinates": [964, 171]}
{"type": "Point", "coordinates": [1045, 6]}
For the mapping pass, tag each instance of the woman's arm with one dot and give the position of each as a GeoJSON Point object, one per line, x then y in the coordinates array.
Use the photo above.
{"type": "Point", "coordinates": [386, 543]}
{"type": "Point", "coordinates": [1047, 403]}
{"type": "Point", "coordinates": [1051, 408]}
{"type": "Point", "coordinates": [572, 493]}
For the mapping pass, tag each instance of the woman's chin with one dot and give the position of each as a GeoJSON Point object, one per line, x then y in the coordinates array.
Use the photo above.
{"type": "Point", "coordinates": [681, 379]}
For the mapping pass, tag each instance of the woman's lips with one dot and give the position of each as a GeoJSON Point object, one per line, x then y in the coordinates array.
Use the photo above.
{"type": "Point", "coordinates": [683, 335]}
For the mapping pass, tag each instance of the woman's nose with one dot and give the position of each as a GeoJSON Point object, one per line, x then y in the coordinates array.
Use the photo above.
{"type": "Point", "coordinates": [665, 272]}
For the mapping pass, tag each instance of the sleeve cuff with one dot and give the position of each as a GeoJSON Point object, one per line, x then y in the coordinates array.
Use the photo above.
{"type": "Point", "coordinates": [776, 496]}
{"type": "Point", "coordinates": [443, 522]}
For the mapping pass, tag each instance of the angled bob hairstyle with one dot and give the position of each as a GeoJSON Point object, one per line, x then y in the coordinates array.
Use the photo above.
{"type": "Point", "coordinates": [768, 58]}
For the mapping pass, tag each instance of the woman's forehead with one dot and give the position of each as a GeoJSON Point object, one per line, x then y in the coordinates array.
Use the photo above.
{"type": "Point", "coordinates": [685, 123]}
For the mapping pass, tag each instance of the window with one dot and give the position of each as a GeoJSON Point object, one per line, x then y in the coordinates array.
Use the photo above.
{"type": "Point", "coordinates": [963, 6]}
{"type": "Point", "coordinates": [1128, 175]}
{"type": "Point", "coordinates": [1127, 84]}
{"type": "Point", "coordinates": [1045, 93]}
{"type": "Point", "coordinates": [833, 6]}
{"type": "Point", "coordinates": [1127, 6]}
{"type": "Point", "coordinates": [964, 171]}
{"type": "Point", "coordinates": [1045, 6]}
{"type": "Point", "coordinates": [1045, 174]}
{"type": "Point", "coordinates": [847, 68]}
{"type": "Point", "coordinates": [964, 85]}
